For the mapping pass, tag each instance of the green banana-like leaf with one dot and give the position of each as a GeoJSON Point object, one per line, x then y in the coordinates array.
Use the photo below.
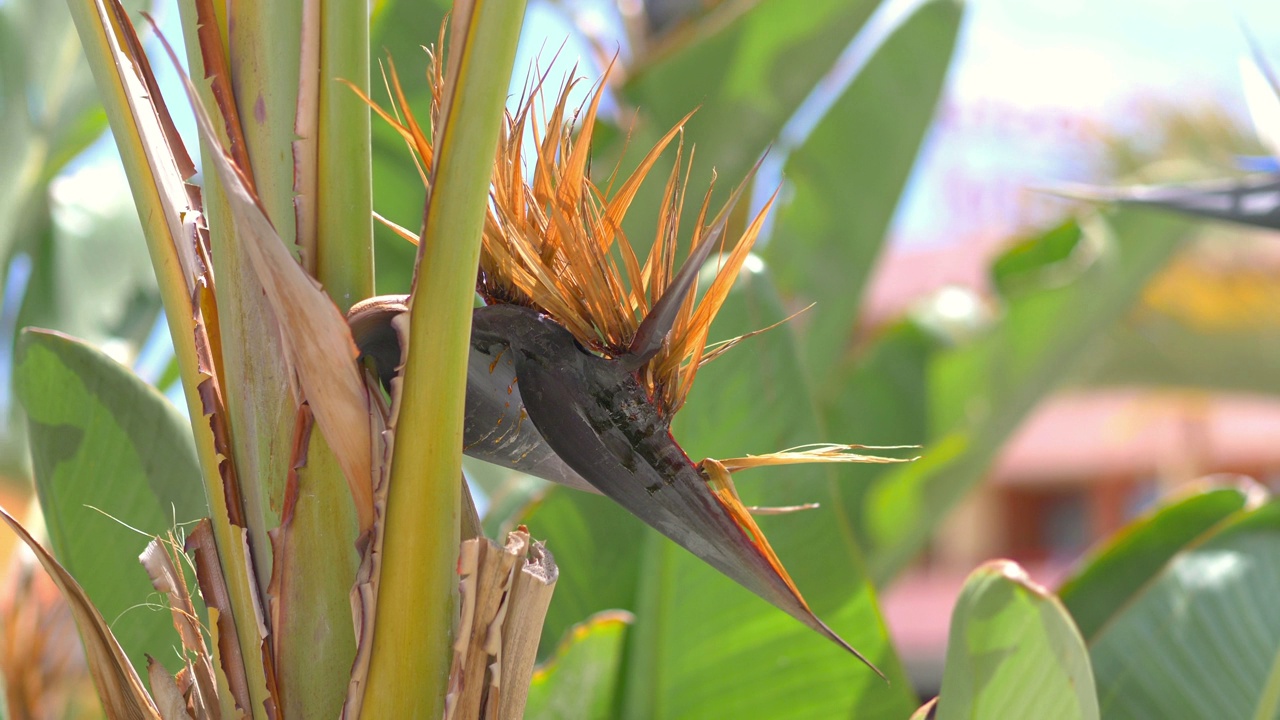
{"type": "Point", "coordinates": [398, 30]}
{"type": "Point", "coordinates": [978, 391]}
{"type": "Point", "coordinates": [114, 463]}
{"type": "Point", "coordinates": [1200, 638]}
{"type": "Point", "coordinates": [847, 178]}
{"type": "Point", "coordinates": [751, 72]}
{"type": "Point", "coordinates": [1106, 581]}
{"type": "Point", "coordinates": [1014, 652]}
{"type": "Point", "coordinates": [47, 107]}
{"type": "Point", "coordinates": [581, 680]}
{"type": "Point", "coordinates": [1154, 349]}
{"type": "Point", "coordinates": [91, 223]}
{"type": "Point", "coordinates": [748, 66]}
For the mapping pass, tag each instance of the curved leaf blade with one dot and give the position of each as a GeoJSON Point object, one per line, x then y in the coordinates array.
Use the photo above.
{"type": "Point", "coordinates": [1014, 652]}
{"type": "Point", "coordinates": [1203, 639]}
{"type": "Point", "coordinates": [112, 458]}
{"type": "Point", "coordinates": [749, 69]}
{"type": "Point", "coordinates": [1099, 589]}
{"type": "Point", "coordinates": [979, 391]}
{"type": "Point", "coordinates": [848, 177]}
{"type": "Point", "coordinates": [581, 680]}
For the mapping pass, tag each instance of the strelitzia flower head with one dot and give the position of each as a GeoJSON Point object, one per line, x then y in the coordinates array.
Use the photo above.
{"type": "Point", "coordinates": [597, 349]}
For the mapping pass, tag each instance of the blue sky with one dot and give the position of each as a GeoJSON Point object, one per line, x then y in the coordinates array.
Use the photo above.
{"type": "Point", "coordinates": [1034, 66]}
{"type": "Point", "coordinates": [1034, 87]}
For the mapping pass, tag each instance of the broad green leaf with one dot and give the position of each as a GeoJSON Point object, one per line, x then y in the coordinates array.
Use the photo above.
{"type": "Point", "coordinates": [88, 222]}
{"type": "Point", "coordinates": [848, 176]}
{"type": "Point", "coordinates": [1202, 638]}
{"type": "Point", "coordinates": [399, 30]}
{"type": "Point", "coordinates": [1013, 652]}
{"type": "Point", "coordinates": [94, 224]}
{"type": "Point", "coordinates": [691, 622]}
{"type": "Point", "coordinates": [48, 109]}
{"type": "Point", "coordinates": [114, 462]}
{"type": "Point", "coordinates": [581, 680]}
{"type": "Point", "coordinates": [597, 546]}
{"type": "Point", "coordinates": [749, 73]}
{"type": "Point", "coordinates": [1154, 349]}
{"type": "Point", "coordinates": [746, 67]}
{"type": "Point", "coordinates": [980, 391]}
{"type": "Point", "coordinates": [1107, 580]}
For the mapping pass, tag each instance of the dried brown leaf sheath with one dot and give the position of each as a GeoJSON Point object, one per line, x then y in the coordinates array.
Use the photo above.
{"type": "Point", "coordinates": [503, 599]}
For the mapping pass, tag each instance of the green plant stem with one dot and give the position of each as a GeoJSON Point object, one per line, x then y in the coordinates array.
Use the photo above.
{"type": "Point", "coordinates": [412, 636]}
{"type": "Point", "coordinates": [155, 211]}
{"type": "Point", "coordinates": [317, 550]}
{"type": "Point", "coordinates": [344, 179]}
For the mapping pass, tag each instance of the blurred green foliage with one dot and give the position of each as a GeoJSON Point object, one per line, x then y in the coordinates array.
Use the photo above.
{"type": "Point", "coordinates": [698, 645]}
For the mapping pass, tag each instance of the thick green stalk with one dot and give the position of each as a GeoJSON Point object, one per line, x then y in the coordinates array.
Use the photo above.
{"type": "Point", "coordinates": [344, 179]}
{"type": "Point", "coordinates": [295, 123]}
{"type": "Point", "coordinates": [265, 46]}
{"type": "Point", "coordinates": [318, 554]}
{"type": "Point", "coordinates": [316, 569]}
{"type": "Point", "coordinates": [413, 628]}
{"type": "Point", "coordinates": [255, 382]}
{"type": "Point", "coordinates": [151, 186]}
